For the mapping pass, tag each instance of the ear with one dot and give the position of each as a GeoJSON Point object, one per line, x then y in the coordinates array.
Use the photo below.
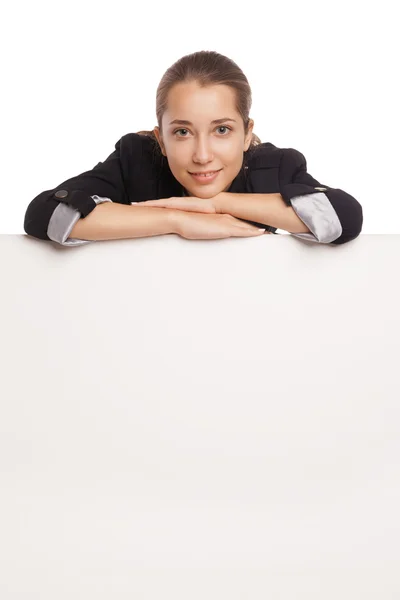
{"type": "Point", "coordinates": [156, 132]}
{"type": "Point", "coordinates": [249, 135]}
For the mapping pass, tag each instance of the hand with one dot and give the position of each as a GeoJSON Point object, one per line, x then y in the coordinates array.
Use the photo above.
{"type": "Point", "coordinates": [186, 203]}
{"type": "Point", "coordinates": [197, 226]}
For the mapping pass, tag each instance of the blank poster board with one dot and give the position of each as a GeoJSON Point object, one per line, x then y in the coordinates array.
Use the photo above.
{"type": "Point", "coordinates": [191, 420]}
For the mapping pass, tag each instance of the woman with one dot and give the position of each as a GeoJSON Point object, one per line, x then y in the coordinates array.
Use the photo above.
{"type": "Point", "coordinates": [201, 173]}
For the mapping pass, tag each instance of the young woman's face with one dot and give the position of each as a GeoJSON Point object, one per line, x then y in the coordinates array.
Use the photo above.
{"type": "Point", "coordinates": [203, 145]}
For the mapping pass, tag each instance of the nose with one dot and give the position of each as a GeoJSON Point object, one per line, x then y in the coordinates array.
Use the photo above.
{"type": "Point", "coordinates": [203, 153]}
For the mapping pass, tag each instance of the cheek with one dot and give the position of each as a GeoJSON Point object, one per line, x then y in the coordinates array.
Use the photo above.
{"type": "Point", "coordinates": [181, 159]}
{"type": "Point", "coordinates": [233, 156]}
{"type": "Point", "coordinates": [235, 162]}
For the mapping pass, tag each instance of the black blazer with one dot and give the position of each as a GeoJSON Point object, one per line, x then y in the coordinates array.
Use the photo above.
{"type": "Point", "coordinates": [135, 172]}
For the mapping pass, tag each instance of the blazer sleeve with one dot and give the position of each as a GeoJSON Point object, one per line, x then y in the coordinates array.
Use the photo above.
{"type": "Point", "coordinates": [332, 215]}
{"type": "Point", "coordinates": [52, 214]}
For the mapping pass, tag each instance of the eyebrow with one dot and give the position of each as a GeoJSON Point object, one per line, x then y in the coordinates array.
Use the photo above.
{"type": "Point", "coordinates": [216, 121]}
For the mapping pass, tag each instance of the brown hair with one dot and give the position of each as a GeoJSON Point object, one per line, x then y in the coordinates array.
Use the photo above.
{"type": "Point", "coordinates": [206, 68]}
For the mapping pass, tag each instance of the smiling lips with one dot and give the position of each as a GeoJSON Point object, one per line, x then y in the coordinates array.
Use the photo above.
{"type": "Point", "coordinates": [205, 173]}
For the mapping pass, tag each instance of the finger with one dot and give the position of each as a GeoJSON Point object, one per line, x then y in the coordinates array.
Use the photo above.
{"type": "Point", "coordinates": [154, 203]}
{"type": "Point", "coordinates": [193, 208]}
{"type": "Point", "coordinates": [248, 233]}
{"type": "Point", "coordinates": [249, 227]}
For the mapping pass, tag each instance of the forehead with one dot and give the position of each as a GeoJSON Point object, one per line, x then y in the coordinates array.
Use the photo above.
{"type": "Point", "coordinates": [194, 103]}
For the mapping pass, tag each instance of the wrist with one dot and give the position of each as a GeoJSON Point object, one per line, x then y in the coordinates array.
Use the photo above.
{"type": "Point", "coordinates": [219, 202]}
{"type": "Point", "coordinates": [174, 218]}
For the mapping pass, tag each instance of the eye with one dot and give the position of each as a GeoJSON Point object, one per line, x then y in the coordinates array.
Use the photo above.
{"type": "Point", "coordinates": [218, 127]}
{"type": "Point", "coordinates": [224, 127]}
{"type": "Point", "coordinates": [176, 131]}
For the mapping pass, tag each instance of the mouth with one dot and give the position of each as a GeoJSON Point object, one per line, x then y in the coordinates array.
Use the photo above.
{"type": "Point", "coordinates": [203, 172]}
{"type": "Point", "coordinates": [205, 176]}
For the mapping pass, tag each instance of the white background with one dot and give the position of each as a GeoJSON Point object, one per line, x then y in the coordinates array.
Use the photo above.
{"type": "Point", "coordinates": [77, 76]}
{"type": "Point", "coordinates": [200, 420]}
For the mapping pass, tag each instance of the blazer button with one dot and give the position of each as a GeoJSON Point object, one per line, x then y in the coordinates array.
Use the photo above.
{"type": "Point", "coordinates": [61, 194]}
{"type": "Point", "coordinates": [321, 189]}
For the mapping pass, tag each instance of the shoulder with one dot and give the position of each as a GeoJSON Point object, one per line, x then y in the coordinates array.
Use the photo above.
{"type": "Point", "coordinates": [267, 155]}
{"type": "Point", "coordinates": [136, 144]}
{"type": "Point", "coordinates": [140, 150]}
{"type": "Point", "coordinates": [263, 156]}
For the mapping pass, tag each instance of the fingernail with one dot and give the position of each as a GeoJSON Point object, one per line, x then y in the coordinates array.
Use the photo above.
{"type": "Point", "coordinates": [262, 230]}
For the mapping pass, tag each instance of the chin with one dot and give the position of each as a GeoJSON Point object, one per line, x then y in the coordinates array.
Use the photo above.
{"type": "Point", "coordinates": [205, 193]}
